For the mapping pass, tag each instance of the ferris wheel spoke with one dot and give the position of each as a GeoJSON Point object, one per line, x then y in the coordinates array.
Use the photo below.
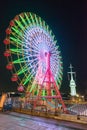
{"type": "Point", "coordinates": [40, 21]}
{"type": "Point", "coordinates": [32, 67]}
{"type": "Point", "coordinates": [20, 60]}
{"type": "Point", "coordinates": [30, 51]}
{"type": "Point", "coordinates": [33, 43]}
{"type": "Point", "coordinates": [15, 51]}
{"type": "Point", "coordinates": [53, 49]}
{"type": "Point", "coordinates": [36, 19]}
{"type": "Point", "coordinates": [31, 57]}
{"type": "Point", "coordinates": [54, 60]}
{"type": "Point", "coordinates": [23, 20]}
{"type": "Point", "coordinates": [31, 16]}
{"type": "Point", "coordinates": [16, 41]}
{"type": "Point", "coordinates": [58, 56]}
{"type": "Point", "coordinates": [19, 24]}
{"type": "Point", "coordinates": [33, 60]}
{"type": "Point", "coordinates": [34, 47]}
{"type": "Point", "coordinates": [32, 87]}
{"type": "Point", "coordinates": [28, 78]}
{"type": "Point", "coordinates": [27, 18]}
{"type": "Point", "coordinates": [34, 56]}
{"type": "Point", "coordinates": [44, 25]}
{"type": "Point", "coordinates": [16, 31]}
{"type": "Point", "coordinates": [22, 70]}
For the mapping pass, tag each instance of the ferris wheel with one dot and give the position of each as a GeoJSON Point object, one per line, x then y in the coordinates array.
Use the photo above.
{"type": "Point", "coordinates": [34, 58]}
{"type": "Point", "coordinates": [28, 38]}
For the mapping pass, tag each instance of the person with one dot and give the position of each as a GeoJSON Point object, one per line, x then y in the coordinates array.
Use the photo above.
{"type": "Point", "coordinates": [9, 103]}
{"type": "Point", "coordinates": [9, 100]}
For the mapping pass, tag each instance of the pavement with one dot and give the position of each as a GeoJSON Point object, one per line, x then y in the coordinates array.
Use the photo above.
{"type": "Point", "coordinates": [17, 121]}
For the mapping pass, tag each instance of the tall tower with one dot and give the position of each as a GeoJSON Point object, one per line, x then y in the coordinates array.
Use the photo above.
{"type": "Point", "coordinates": [72, 82]}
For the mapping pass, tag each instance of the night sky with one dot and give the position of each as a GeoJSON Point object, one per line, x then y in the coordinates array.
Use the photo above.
{"type": "Point", "coordinates": [68, 21]}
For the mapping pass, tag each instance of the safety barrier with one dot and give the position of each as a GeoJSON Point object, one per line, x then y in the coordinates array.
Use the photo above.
{"type": "Point", "coordinates": [58, 116]}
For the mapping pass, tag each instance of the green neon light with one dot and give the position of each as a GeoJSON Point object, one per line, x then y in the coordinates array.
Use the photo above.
{"type": "Point", "coordinates": [21, 60]}
{"type": "Point", "coordinates": [32, 87]}
{"type": "Point", "coordinates": [53, 36]}
{"type": "Point", "coordinates": [16, 31]}
{"type": "Point", "coordinates": [28, 78]}
{"type": "Point", "coordinates": [37, 91]}
{"type": "Point", "coordinates": [22, 19]}
{"type": "Point", "coordinates": [52, 92]}
{"type": "Point", "coordinates": [43, 92]}
{"type": "Point", "coordinates": [59, 82]}
{"type": "Point", "coordinates": [51, 32]}
{"type": "Point", "coordinates": [44, 24]}
{"type": "Point", "coordinates": [13, 39]}
{"type": "Point", "coordinates": [57, 49]}
{"type": "Point", "coordinates": [16, 50]}
{"type": "Point", "coordinates": [47, 28]}
{"type": "Point", "coordinates": [61, 72]}
{"type": "Point", "coordinates": [16, 40]}
{"type": "Point", "coordinates": [36, 19]}
{"type": "Point", "coordinates": [19, 24]}
{"type": "Point", "coordinates": [40, 21]}
{"type": "Point", "coordinates": [27, 18]}
{"type": "Point", "coordinates": [32, 18]}
{"type": "Point", "coordinates": [21, 71]}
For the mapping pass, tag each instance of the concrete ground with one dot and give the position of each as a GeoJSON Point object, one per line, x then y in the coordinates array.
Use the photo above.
{"type": "Point", "coordinates": [16, 121]}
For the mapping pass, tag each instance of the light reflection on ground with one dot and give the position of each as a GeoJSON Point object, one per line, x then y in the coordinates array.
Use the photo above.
{"type": "Point", "coordinates": [15, 121]}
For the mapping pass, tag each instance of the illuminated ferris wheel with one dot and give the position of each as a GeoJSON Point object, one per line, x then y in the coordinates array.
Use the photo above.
{"type": "Point", "coordinates": [28, 37]}
{"type": "Point", "coordinates": [34, 58]}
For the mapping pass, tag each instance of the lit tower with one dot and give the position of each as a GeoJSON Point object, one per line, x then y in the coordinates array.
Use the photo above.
{"type": "Point", "coordinates": [72, 82]}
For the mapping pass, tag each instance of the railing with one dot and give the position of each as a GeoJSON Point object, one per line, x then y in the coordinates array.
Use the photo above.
{"type": "Point", "coordinates": [73, 109]}
{"type": "Point", "coordinates": [57, 116]}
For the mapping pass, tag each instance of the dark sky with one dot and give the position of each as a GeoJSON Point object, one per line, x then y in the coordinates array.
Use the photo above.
{"type": "Point", "coordinates": [68, 21]}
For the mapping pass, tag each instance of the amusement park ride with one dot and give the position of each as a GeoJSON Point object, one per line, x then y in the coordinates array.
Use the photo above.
{"type": "Point", "coordinates": [35, 60]}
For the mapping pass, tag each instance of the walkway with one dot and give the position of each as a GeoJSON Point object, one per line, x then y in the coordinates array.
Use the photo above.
{"type": "Point", "coordinates": [16, 121]}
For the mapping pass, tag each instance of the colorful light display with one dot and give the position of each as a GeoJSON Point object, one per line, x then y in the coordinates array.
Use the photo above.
{"type": "Point", "coordinates": [33, 51]}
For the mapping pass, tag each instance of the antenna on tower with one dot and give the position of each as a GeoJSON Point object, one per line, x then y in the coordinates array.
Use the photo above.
{"type": "Point", "coordinates": [72, 78]}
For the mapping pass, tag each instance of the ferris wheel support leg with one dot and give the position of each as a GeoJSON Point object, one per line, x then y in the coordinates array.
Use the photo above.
{"type": "Point", "coordinates": [58, 93]}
